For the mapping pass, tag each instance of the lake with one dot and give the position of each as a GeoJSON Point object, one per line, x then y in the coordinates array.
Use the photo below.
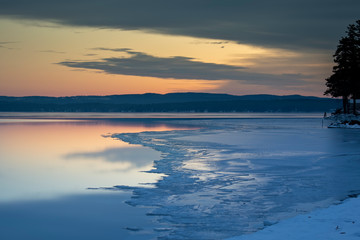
{"type": "Point", "coordinates": [177, 176]}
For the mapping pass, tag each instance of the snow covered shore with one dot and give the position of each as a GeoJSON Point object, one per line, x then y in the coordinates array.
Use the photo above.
{"type": "Point", "coordinates": [344, 121]}
{"type": "Point", "coordinates": [336, 222]}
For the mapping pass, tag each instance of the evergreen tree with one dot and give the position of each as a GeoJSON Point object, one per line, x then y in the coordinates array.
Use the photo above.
{"type": "Point", "coordinates": [345, 80]}
{"type": "Point", "coordinates": [338, 87]}
{"type": "Point", "coordinates": [356, 77]}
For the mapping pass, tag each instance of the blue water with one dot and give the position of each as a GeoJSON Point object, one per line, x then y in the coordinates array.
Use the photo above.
{"type": "Point", "coordinates": [47, 166]}
{"type": "Point", "coordinates": [178, 176]}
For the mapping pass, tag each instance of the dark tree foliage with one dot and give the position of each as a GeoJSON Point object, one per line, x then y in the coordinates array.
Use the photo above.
{"type": "Point", "coordinates": [337, 86]}
{"type": "Point", "coordinates": [345, 80]}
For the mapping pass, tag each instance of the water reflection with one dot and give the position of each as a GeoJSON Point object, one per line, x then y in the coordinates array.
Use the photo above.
{"type": "Point", "coordinates": [90, 217]}
{"type": "Point", "coordinates": [132, 157]}
{"type": "Point", "coordinates": [35, 157]}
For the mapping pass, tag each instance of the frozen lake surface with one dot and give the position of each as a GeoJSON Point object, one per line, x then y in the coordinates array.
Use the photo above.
{"type": "Point", "coordinates": [222, 178]}
{"type": "Point", "coordinates": [237, 176]}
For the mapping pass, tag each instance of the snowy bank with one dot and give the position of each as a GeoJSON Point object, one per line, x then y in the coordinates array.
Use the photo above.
{"type": "Point", "coordinates": [336, 222]}
{"type": "Point", "coordinates": [344, 121]}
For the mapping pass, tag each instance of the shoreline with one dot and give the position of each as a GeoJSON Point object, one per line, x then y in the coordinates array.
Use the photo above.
{"type": "Point", "coordinates": [339, 221]}
{"type": "Point", "coordinates": [344, 121]}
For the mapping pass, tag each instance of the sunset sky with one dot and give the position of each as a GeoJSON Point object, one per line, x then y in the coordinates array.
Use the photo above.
{"type": "Point", "coordinates": [93, 47]}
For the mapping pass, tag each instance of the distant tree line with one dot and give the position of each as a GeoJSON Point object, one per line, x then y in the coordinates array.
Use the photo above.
{"type": "Point", "coordinates": [303, 104]}
{"type": "Point", "coordinates": [345, 80]}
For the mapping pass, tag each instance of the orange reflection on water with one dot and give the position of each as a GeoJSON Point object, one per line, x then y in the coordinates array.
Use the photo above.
{"type": "Point", "coordinates": [49, 159]}
{"type": "Point", "coordinates": [75, 135]}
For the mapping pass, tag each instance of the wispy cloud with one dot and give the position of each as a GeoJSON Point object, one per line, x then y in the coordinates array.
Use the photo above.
{"type": "Point", "coordinates": [6, 42]}
{"type": "Point", "coordinates": [52, 51]}
{"type": "Point", "coordinates": [178, 67]}
{"type": "Point", "coordinates": [211, 42]}
{"type": "Point", "coordinates": [90, 54]}
{"type": "Point", "coordinates": [112, 49]}
{"type": "Point", "coordinates": [6, 45]}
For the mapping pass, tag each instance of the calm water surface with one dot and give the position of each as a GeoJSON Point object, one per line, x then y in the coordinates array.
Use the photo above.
{"type": "Point", "coordinates": [50, 158]}
{"type": "Point", "coordinates": [47, 166]}
{"type": "Point", "coordinates": [46, 159]}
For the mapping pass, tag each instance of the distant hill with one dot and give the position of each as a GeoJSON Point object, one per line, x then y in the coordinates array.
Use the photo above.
{"type": "Point", "coordinates": [171, 102]}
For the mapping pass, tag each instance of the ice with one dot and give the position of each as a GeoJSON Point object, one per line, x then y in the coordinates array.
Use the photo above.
{"type": "Point", "coordinates": [234, 177]}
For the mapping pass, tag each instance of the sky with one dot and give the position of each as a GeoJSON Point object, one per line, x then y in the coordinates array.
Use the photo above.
{"type": "Point", "coordinates": [93, 47]}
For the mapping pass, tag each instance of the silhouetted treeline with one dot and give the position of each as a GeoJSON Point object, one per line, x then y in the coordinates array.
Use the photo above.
{"type": "Point", "coordinates": [176, 102]}
{"type": "Point", "coordinates": [345, 80]}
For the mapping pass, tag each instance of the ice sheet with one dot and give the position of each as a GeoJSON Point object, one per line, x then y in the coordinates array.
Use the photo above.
{"type": "Point", "coordinates": [234, 177]}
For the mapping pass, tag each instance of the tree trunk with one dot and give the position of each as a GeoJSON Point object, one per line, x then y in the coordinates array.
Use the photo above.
{"type": "Point", "coordinates": [345, 104]}
{"type": "Point", "coordinates": [354, 105]}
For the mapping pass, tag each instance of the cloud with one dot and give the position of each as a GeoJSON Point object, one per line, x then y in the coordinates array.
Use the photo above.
{"type": "Point", "coordinates": [178, 67]}
{"type": "Point", "coordinates": [4, 45]}
{"type": "Point", "coordinates": [112, 49]}
{"type": "Point", "coordinates": [297, 24]}
{"type": "Point", "coordinates": [51, 51]}
{"type": "Point", "coordinates": [90, 54]}
{"type": "Point", "coordinates": [211, 43]}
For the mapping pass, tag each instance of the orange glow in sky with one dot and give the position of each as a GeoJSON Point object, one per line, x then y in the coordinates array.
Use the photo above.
{"type": "Point", "coordinates": [31, 51]}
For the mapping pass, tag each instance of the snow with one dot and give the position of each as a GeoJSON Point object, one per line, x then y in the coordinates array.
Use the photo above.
{"type": "Point", "coordinates": [235, 177]}
{"type": "Point", "coordinates": [344, 121]}
{"type": "Point", "coordinates": [333, 223]}
{"type": "Point", "coordinates": [344, 125]}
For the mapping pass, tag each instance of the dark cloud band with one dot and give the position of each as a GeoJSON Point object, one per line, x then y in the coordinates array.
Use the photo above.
{"type": "Point", "coordinates": [278, 23]}
{"type": "Point", "coordinates": [141, 64]}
